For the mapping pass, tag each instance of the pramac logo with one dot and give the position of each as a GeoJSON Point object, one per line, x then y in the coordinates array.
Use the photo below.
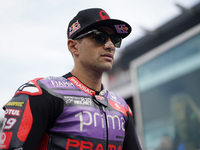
{"type": "Point", "coordinates": [5, 140]}
{"type": "Point", "coordinates": [81, 86]}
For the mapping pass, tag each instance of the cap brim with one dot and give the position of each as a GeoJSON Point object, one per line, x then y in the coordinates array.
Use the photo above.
{"type": "Point", "coordinates": [113, 24]}
{"type": "Point", "coordinates": [121, 28]}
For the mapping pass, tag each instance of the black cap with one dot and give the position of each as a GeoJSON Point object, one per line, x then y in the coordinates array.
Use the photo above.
{"type": "Point", "coordinates": [91, 18]}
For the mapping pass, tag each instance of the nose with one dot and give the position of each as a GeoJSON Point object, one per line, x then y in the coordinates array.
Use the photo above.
{"type": "Point", "coordinates": [109, 45]}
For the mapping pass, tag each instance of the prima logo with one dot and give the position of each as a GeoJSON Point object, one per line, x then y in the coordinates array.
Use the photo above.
{"type": "Point", "coordinates": [114, 122]}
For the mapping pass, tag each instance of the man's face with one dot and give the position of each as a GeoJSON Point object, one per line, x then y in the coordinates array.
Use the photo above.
{"type": "Point", "coordinates": [96, 56]}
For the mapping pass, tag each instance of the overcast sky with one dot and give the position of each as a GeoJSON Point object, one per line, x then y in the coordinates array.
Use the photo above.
{"type": "Point", "coordinates": [33, 34]}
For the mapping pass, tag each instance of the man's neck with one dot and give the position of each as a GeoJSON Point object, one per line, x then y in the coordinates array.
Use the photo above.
{"type": "Point", "coordinates": [90, 79]}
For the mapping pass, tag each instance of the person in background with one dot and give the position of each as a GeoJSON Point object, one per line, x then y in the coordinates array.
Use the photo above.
{"type": "Point", "coordinates": [166, 143]}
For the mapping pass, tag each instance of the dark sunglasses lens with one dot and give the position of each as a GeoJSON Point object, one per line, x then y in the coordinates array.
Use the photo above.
{"type": "Point", "coordinates": [116, 41]}
{"type": "Point", "coordinates": [101, 38]}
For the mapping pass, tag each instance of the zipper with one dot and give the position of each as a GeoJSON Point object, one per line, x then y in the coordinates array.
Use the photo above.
{"type": "Point", "coordinates": [102, 109]}
{"type": "Point", "coordinates": [105, 116]}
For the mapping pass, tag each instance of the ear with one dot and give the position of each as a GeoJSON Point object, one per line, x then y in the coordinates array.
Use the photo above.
{"type": "Point", "coordinates": [73, 46]}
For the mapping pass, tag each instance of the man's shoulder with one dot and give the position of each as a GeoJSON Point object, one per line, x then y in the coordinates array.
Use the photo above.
{"type": "Point", "coordinates": [55, 82]}
{"type": "Point", "coordinates": [34, 87]}
{"type": "Point", "coordinates": [30, 88]}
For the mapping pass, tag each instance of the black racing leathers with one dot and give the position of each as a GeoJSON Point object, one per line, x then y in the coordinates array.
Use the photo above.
{"type": "Point", "coordinates": [58, 113]}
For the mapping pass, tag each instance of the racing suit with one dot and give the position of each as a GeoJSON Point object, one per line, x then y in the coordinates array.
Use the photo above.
{"type": "Point", "coordinates": [62, 113]}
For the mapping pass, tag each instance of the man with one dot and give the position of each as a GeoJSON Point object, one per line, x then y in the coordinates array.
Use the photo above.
{"type": "Point", "coordinates": [75, 111]}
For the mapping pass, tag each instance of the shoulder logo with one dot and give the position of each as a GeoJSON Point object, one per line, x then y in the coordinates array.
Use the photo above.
{"type": "Point", "coordinates": [30, 88]}
{"type": "Point", "coordinates": [5, 140]}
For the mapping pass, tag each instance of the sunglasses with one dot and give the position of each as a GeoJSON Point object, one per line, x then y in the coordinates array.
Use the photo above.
{"type": "Point", "coordinates": [101, 37]}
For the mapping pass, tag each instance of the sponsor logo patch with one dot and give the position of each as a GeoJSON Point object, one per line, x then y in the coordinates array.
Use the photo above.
{"type": "Point", "coordinates": [100, 97]}
{"type": "Point", "coordinates": [118, 107]}
{"type": "Point", "coordinates": [81, 86]}
{"type": "Point", "coordinates": [113, 97]}
{"type": "Point", "coordinates": [60, 84]}
{"type": "Point", "coordinates": [71, 143]}
{"type": "Point", "coordinates": [13, 112]}
{"type": "Point", "coordinates": [78, 100]}
{"type": "Point", "coordinates": [18, 104]}
{"type": "Point", "coordinates": [89, 119]}
{"type": "Point", "coordinates": [103, 15]}
{"type": "Point", "coordinates": [75, 26]}
{"type": "Point", "coordinates": [121, 28]}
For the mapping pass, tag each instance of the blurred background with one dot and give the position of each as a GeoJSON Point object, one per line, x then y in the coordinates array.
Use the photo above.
{"type": "Point", "coordinates": [157, 69]}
